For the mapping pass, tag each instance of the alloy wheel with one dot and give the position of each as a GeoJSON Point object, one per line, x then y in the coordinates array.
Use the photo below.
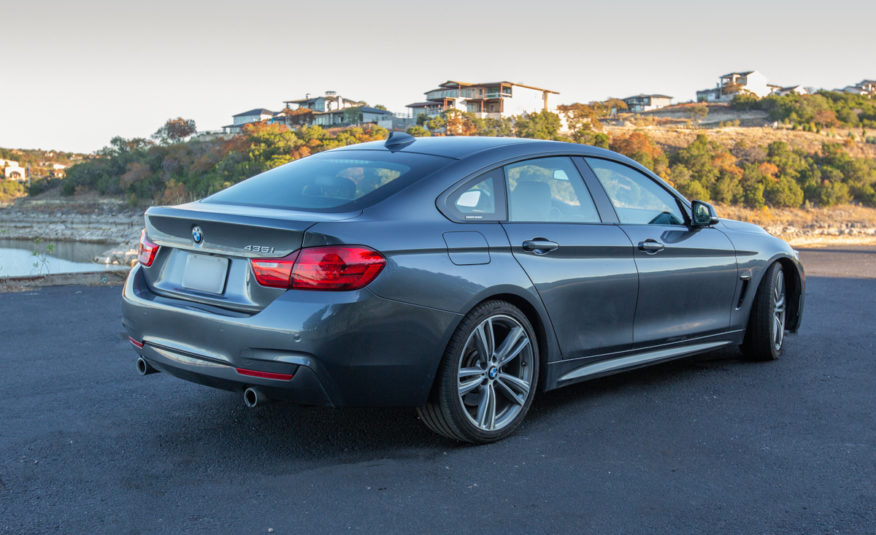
{"type": "Point", "coordinates": [495, 373]}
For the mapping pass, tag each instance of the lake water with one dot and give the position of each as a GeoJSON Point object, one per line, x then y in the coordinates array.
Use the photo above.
{"type": "Point", "coordinates": [17, 258]}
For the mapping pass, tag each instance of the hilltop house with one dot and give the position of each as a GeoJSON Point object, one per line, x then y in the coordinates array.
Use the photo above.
{"type": "Point", "coordinates": [864, 87]}
{"type": "Point", "coordinates": [790, 90]}
{"type": "Point", "coordinates": [730, 84]}
{"type": "Point", "coordinates": [330, 101]}
{"type": "Point", "coordinates": [490, 99]}
{"type": "Point", "coordinates": [331, 110]}
{"type": "Point", "coordinates": [10, 170]}
{"type": "Point", "coordinates": [244, 118]}
{"type": "Point", "coordinates": [58, 170]}
{"type": "Point", "coordinates": [328, 110]}
{"type": "Point", "coordinates": [643, 103]}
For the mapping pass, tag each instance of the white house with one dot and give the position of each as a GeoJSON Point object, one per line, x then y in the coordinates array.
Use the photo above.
{"type": "Point", "coordinates": [790, 90]}
{"type": "Point", "coordinates": [330, 101]}
{"type": "Point", "coordinates": [247, 117]}
{"type": "Point", "coordinates": [864, 87]}
{"type": "Point", "coordinates": [487, 99]}
{"type": "Point", "coordinates": [643, 103]}
{"type": "Point", "coordinates": [59, 170]}
{"type": "Point", "coordinates": [10, 170]}
{"type": "Point", "coordinates": [730, 84]}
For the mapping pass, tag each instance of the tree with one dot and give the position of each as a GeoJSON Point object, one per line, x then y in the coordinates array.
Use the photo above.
{"type": "Point", "coordinates": [460, 123]}
{"type": "Point", "coordinates": [699, 111]}
{"type": "Point", "coordinates": [641, 148]}
{"type": "Point", "coordinates": [541, 125]}
{"type": "Point", "coordinates": [175, 130]}
{"type": "Point", "coordinates": [418, 131]}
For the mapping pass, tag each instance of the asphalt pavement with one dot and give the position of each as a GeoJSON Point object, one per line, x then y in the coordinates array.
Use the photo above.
{"type": "Point", "coordinates": [711, 444]}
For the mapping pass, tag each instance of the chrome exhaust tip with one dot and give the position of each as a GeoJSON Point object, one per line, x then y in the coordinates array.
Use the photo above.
{"type": "Point", "coordinates": [253, 397]}
{"type": "Point", "coordinates": [143, 367]}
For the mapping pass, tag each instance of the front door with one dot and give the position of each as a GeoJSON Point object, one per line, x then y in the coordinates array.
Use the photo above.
{"type": "Point", "coordinates": [687, 275]}
{"type": "Point", "coordinates": [583, 269]}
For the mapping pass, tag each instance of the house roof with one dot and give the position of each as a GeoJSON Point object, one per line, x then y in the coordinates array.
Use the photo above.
{"type": "Point", "coordinates": [745, 73]}
{"type": "Point", "coordinates": [449, 83]}
{"type": "Point", "coordinates": [644, 95]}
{"type": "Point", "coordinates": [256, 111]}
{"type": "Point", "coordinates": [421, 104]}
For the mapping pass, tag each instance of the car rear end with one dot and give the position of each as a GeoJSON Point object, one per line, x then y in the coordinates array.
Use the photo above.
{"type": "Point", "coordinates": [225, 295]}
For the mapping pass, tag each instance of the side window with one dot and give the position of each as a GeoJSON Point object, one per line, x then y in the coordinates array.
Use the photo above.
{"type": "Point", "coordinates": [637, 199]}
{"type": "Point", "coordinates": [548, 190]}
{"type": "Point", "coordinates": [479, 199]}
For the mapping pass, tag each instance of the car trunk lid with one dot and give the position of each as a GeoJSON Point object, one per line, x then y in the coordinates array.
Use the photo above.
{"type": "Point", "coordinates": [205, 250]}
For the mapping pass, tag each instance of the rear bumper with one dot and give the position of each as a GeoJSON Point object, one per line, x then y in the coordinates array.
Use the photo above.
{"type": "Point", "coordinates": [341, 348]}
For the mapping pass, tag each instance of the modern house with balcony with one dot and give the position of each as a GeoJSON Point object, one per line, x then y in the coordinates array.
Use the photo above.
{"type": "Point", "coordinates": [643, 103]}
{"type": "Point", "coordinates": [490, 99]}
{"type": "Point", "coordinates": [730, 84]}
{"type": "Point", "coordinates": [330, 101]}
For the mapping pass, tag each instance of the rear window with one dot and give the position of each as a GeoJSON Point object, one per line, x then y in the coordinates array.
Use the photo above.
{"type": "Point", "coordinates": [331, 181]}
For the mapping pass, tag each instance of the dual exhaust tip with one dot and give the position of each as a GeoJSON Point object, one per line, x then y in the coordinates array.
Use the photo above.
{"type": "Point", "coordinates": [252, 396]}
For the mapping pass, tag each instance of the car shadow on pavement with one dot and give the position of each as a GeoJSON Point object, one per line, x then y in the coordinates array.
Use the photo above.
{"type": "Point", "coordinates": [283, 431]}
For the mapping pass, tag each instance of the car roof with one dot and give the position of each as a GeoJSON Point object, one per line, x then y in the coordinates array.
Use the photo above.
{"type": "Point", "coordinates": [460, 147]}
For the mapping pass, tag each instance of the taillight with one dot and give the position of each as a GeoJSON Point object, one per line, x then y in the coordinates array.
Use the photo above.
{"type": "Point", "coordinates": [274, 272]}
{"type": "Point", "coordinates": [147, 250]}
{"type": "Point", "coordinates": [333, 268]}
{"type": "Point", "coordinates": [336, 268]}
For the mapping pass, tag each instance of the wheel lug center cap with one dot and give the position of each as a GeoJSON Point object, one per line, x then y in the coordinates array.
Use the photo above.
{"type": "Point", "coordinates": [493, 372]}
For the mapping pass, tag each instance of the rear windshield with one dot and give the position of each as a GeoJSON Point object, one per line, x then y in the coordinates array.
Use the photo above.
{"type": "Point", "coordinates": [331, 181]}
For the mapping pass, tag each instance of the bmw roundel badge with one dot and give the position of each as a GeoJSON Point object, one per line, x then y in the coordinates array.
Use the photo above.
{"type": "Point", "coordinates": [197, 234]}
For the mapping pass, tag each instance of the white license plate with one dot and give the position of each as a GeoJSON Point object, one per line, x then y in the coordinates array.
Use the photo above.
{"type": "Point", "coordinates": [205, 273]}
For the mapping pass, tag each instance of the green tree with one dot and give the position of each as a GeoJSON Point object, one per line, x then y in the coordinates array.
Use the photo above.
{"type": "Point", "coordinates": [540, 125]}
{"type": "Point", "coordinates": [418, 131]}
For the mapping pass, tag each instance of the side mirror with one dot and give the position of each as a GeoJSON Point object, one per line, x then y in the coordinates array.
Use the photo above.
{"type": "Point", "coordinates": [703, 214]}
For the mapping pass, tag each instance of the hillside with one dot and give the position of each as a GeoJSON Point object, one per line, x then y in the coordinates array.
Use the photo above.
{"type": "Point", "coordinates": [673, 137]}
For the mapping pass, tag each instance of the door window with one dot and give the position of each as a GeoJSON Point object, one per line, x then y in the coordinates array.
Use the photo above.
{"type": "Point", "coordinates": [548, 190]}
{"type": "Point", "coordinates": [637, 199]}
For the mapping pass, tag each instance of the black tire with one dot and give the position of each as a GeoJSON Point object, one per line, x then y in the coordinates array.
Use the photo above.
{"type": "Point", "coordinates": [765, 336]}
{"type": "Point", "coordinates": [482, 400]}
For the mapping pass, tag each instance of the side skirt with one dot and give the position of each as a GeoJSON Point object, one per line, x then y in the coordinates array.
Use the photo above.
{"type": "Point", "coordinates": [566, 372]}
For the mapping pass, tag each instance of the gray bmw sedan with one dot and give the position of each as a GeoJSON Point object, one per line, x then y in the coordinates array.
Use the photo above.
{"type": "Point", "coordinates": [456, 275]}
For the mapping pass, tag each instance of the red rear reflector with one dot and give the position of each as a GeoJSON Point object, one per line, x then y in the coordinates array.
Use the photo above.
{"type": "Point", "coordinates": [274, 272]}
{"type": "Point", "coordinates": [333, 268]}
{"type": "Point", "coordinates": [265, 375]}
{"type": "Point", "coordinates": [136, 342]}
{"type": "Point", "coordinates": [147, 250]}
{"type": "Point", "coordinates": [336, 268]}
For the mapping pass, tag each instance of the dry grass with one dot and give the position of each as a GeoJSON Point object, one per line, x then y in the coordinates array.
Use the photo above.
{"type": "Point", "coordinates": [811, 226]}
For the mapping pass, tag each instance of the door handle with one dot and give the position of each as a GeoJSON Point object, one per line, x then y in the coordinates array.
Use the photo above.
{"type": "Point", "coordinates": [650, 246]}
{"type": "Point", "coordinates": [540, 245]}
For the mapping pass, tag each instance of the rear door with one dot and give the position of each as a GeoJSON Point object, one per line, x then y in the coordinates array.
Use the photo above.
{"type": "Point", "coordinates": [687, 275]}
{"type": "Point", "coordinates": [583, 269]}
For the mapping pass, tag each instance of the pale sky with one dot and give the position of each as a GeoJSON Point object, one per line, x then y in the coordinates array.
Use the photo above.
{"type": "Point", "coordinates": [76, 73]}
